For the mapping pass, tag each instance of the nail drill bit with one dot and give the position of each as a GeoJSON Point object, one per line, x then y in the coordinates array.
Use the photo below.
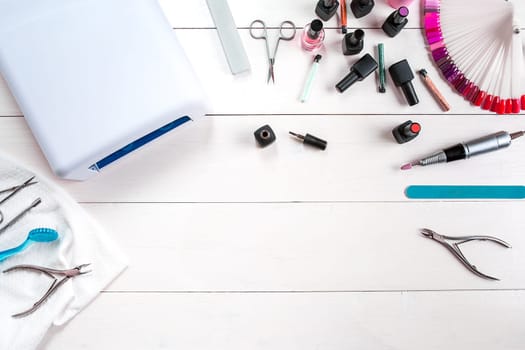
{"type": "Point", "coordinates": [485, 144]}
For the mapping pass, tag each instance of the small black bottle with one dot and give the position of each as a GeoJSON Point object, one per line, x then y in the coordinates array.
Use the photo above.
{"type": "Point", "coordinates": [353, 42]}
{"type": "Point", "coordinates": [359, 71]}
{"type": "Point", "coordinates": [406, 131]}
{"type": "Point", "coordinates": [326, 9]}
{"type": "Point", "coordinates": [402, 76]}
{"type": "Point", "coordinates": [361, 8]}
{"type": "Point", "coordinates": [396, 21]}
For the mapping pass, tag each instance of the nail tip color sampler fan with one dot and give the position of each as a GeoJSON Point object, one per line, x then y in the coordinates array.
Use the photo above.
{"type": "Point", "coordinates": [478, 47]}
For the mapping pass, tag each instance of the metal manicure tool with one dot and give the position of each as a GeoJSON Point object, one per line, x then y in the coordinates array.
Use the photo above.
{"type": "Point", "coordinates": [286, 25]}
{"type": "Point", "coordinates": [19, 215]}
{"type": "Point", "coordinates": [14, 190]}
{"type": "Point", "coordinates": [454, 247]}
{"type": "Point", "coordinates": [68, 274]}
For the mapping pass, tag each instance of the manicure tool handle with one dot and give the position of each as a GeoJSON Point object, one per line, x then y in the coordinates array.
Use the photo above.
{"type": "Point", "coordinates": [13, 251]}
{"type": "Point", "coordinates": [478, 146]}
{"type": "Point", "coordinates": [311, 75]}
{"type": "Point", "coordinates": [485, 144]}
{"type": "Point", "coordinates": [489, 143]}
{"type": "Point", "coordinates": [465, 192]}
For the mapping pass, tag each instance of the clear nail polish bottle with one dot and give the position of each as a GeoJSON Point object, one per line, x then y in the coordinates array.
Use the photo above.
{"type": "Point", "coordinates": [313, 36]}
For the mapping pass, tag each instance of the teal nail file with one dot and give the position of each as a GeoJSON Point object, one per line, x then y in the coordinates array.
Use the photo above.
{"type": "Point", "coordinates": [464, 192]}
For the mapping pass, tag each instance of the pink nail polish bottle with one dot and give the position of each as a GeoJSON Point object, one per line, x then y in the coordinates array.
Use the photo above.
{"type": "Point", "coordinates": [313, 36]}
{"type": "Point", "coordinates": [398, 3]}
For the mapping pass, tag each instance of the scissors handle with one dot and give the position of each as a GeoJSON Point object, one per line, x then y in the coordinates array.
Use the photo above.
{"type": "Point", "coordinates": [287, 25]}
{"type": "Point", "coordinates": [263, 35]}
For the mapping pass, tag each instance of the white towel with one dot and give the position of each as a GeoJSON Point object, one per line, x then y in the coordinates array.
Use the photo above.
{"type": "Point", "coordinates": [81, 241]}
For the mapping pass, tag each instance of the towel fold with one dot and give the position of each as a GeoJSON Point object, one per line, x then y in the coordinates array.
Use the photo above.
{"type": "Point", "coordinates": [81, 241]}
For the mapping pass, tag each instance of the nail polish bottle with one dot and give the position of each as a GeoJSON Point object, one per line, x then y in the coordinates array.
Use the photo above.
{"type": "Point", "coordinates": [361, 8]}
{"type": "Point", "coordinates": [398, 3]}
{"type": "Point", "coordinates": [313, 35]}
{"type": "Point", "coordinates": [406, 131]}
{"type": "Point", "coordinates": [396, 21]}
{"type": "Point", "coordinates": [359, 71]}
{"type": "Point", "coordinates": [402, 76]}
{"type": "Point", "coordinates": [353, 42]}
{"type": "Point", "coordinates": [326, 9]}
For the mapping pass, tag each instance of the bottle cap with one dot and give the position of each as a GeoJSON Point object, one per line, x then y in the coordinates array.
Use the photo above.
{"type": "Point", "coordinates": [315, 29]}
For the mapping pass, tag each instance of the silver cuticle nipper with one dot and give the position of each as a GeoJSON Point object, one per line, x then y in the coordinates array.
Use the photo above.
{"type": "Point", "coordinates": [453, 247]}
{"type": "Point", "coordinates": [51, 273]}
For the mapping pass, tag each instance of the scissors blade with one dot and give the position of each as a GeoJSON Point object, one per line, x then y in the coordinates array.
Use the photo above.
{"type": "Point", "coordinates": [270, 73]}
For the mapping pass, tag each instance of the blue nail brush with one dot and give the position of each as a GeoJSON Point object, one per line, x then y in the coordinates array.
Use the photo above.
{"type": "Point", "coordinates": [464, 192]}
{"type": "Point", "coordinates": [37, 235]}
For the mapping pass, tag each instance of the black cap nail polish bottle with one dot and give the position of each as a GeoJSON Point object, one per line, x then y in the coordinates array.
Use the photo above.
{"type": "Point", "coordinates": [325, 9]}
{"type": "Point", "coordinates": [360, 70]}
{"type": "Point", "coordinates": [361, 8]}
{"type": "Point", "coordinates": [402, 76]}
{"type": "Point", "coordinates": [353, 42]}
{"type": "Point", "coordinates": [396, 21]}
{"type": "Point", "coordinates": [406, 131]}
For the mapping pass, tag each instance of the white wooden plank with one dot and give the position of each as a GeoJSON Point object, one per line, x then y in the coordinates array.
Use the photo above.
{"type": "Point", "coordinates": [249, 94]}
{"type": "Point", "coordinates": [432, 321]}
{"type": "Point", "coordinates": [311, 247]}
{"type": "Point", "coordinates": [195, 14]}
{"type": "Point", "coordinates": [216, 160]}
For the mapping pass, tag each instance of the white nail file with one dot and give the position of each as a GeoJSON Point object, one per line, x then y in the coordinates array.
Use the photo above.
{"type": "Point", "coordinates": [230, 39]}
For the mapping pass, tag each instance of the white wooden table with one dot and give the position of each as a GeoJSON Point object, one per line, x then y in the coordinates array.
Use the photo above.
{"type": "Point", "coordinates": [287, 247]}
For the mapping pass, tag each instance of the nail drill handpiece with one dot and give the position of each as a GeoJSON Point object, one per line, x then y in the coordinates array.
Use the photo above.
{"type": "Point", "coordinates": [485, 144]}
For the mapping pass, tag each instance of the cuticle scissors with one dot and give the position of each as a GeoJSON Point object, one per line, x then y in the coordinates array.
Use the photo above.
{"type": "Point", "coordinates": [286, 25]}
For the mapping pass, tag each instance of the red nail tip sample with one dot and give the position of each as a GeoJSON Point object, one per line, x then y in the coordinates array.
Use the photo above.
{"type": "Point", "coordinates": [479, 98]}
{"type": "Point", "coordinates": [508, 106]}
{"type": "Point", "coordinates": [487, 103]}
{"type": "Point", "coordinates": [495, 104]}
{"type": "Point", "coordinates": [515, 105]}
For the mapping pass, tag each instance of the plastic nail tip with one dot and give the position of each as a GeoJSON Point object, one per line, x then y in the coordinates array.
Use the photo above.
{"type": "Point", "coordinates": [495, 104]}
{"type": "Point", "coordinates": [473, 94]}
{"type": "Point", "coordinates": [515, 106]}
{"type": "Point", "coordinates": [508, 106]}
{"type": "Point", "coordinates": [479, 98]}
{"type": "Point", "coordinates": [468, 90]}
{"type": "Point", "coordinates": [487, 103]}
{"type": "Point", "coordinates": [439, 53]}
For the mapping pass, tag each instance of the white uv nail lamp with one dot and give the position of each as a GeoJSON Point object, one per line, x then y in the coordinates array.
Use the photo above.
{"type": "Point", "coordinates": [95, 79]}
